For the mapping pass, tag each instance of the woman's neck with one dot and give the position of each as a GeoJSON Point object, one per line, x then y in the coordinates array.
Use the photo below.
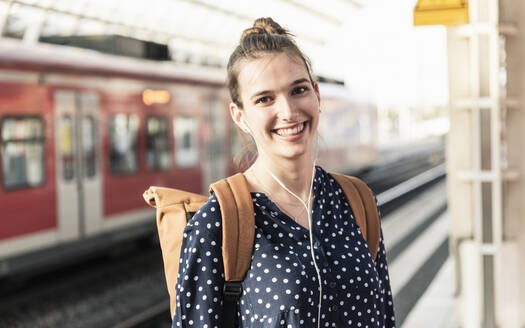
{"type": "Point", "coordinates": [295, 175]}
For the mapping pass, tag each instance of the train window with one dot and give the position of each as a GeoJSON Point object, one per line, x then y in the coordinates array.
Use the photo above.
{"type": "Point", "coordinates": [22, 152]}
{"type": "Point", "coordinates": [158, 143]}
{"type": "Point", "coordinates": [186, 142]}
{"type": "Point", "coordinates": [67, 146]}
{"type": "Point", "coordinates": [89, 138]}
{"type": "Point", "coordinates": [123, 132]}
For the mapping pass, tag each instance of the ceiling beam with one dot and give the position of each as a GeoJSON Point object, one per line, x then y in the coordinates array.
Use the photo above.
{"type": "Point", "coordinates": [212, 42]}
{"type": "Point", "coordinates": [324, 16]}
{"type": "Point", "coordinates": [250, 19]}
{"type": "Point", "coordinates": [356, 3]}
{"type": "Point", "coordinates": [220, 9]}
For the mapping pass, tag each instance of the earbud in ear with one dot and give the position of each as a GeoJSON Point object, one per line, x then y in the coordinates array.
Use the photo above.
{"type": "Point", "coordinates": [244, 126]}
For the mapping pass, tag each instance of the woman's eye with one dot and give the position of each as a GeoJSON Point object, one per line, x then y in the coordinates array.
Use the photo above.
{"type": "Point", "coordinates": [263, 100]}
{"type": "Point", "coordinates": [299, 90]}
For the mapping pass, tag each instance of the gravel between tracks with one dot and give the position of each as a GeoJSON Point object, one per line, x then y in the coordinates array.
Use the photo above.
{"type": "Point", "coordinates": [101, 297]}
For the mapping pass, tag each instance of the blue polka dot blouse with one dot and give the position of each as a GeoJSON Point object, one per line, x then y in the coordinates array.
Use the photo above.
{"type": "Point", "coordinates": [281, 288]}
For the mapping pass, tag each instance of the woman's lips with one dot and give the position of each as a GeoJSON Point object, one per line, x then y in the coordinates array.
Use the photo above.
{"type": "Point", "coordinates": [291, 130]}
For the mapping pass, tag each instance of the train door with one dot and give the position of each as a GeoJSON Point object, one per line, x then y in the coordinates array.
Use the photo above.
{"type": "Point", "coordinates": [215, 161]}
{"type": "Point", "coordinates": [79, 183]}
{"type": "Point", "coordinates": [89, 161]}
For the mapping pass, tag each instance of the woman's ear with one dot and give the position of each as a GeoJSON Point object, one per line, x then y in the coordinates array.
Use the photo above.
{"type": "Point", "coordinates": [238, 117]}
{"type": "Point", "coordinates": [317, 94]}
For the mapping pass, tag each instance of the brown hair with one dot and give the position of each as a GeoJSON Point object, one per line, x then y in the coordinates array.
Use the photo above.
{"type": "Point", "coordinates": [265, 37]}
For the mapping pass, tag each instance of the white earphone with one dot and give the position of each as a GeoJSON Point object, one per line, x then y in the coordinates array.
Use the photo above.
{"type": "Point", "coordinates": [244, 127]}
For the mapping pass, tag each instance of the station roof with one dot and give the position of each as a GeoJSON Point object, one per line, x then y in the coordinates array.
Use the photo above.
{"type": "Point", "coordinates": [196, 31]}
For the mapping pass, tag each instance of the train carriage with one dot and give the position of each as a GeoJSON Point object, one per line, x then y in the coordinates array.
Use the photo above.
{"type": "Point", "coordinates": [83, 134]}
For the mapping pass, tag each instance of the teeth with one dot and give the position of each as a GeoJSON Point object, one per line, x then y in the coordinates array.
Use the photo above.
{"type": "Point", "coordinates": [291, 131]}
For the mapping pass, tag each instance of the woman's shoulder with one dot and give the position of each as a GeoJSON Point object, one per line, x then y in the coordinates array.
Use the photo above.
{"type": "Point", "coordinates": [328, 178]}
{"type": "Point", "coordinates": [325, 178]}
{"type": "Point", "coordinates": [207, 220]}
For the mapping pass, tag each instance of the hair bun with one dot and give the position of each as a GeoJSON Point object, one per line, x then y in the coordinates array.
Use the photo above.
{"type": "Point", "coordinates": [265, 25]}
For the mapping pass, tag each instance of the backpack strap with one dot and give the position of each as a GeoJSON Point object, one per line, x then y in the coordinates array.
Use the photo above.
{"type": "Point", "coordinates": [363, 204]}
{"type": "Point", "coordinates": [238, 232]}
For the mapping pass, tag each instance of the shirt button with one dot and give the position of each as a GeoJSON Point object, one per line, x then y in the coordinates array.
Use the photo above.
{"type": "Point", "coordinates": [334, 308]}
{"type": "Point", "coordinates": [333, 284]}
{"type": "Point", "coordinates": [316, 244]}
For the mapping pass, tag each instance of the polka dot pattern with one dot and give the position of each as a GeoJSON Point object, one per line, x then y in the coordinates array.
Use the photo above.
{"type": "Point", "coordinates": [281, 288]}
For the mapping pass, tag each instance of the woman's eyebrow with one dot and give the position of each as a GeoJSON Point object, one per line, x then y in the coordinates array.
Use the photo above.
{"type": "Point", "coordinates": [260, 93]}
{"type": "Point", "coordinates": [300, 81]}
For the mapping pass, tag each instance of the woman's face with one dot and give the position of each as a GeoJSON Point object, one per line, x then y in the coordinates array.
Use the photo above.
{"type": "Point", "coordinates": [281, 107]}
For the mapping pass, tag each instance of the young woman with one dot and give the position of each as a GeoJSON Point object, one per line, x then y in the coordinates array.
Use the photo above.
{"type": "Point", "coordinates": [335, 283]}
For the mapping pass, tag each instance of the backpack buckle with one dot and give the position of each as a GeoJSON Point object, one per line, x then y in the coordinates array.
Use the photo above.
{"type": "Point", "coordinates": [232, 289]}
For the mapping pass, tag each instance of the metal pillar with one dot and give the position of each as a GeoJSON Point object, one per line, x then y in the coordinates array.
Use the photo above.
{"type": "Point", "coordinates": [511, 263]}
{"type": "Point", "coordinates": [479, 169]}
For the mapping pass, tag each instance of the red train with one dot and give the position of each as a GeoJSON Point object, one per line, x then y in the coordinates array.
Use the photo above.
{"type": "Point", "coordinates": [83, 134]}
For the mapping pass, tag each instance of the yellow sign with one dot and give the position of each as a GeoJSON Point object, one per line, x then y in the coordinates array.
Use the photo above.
{"type": "Point", "coordinates": [150, 97]}
{"type": "Point", "coordinates": [441, 12]}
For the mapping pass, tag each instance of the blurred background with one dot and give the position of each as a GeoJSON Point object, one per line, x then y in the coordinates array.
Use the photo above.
{"type": "Point", "coordinates": [101, 99]}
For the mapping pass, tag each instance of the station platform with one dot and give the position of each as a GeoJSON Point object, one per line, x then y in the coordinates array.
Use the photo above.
{"type": "Point", "coordinates": [421, 269]}
{"type": "Point", "coordinates": [436, 308]}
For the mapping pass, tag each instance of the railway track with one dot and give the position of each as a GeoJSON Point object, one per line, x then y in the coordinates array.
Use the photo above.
{"type": "Point", "coordinates": [98, 293]}
{"type": "Point", "coordinates": [155, 316]}
{"type": "Point", "coordinates": [416, 239]}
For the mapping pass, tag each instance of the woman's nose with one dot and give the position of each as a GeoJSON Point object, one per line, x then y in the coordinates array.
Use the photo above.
{"type": "Point", "coordinates": [287, 109]}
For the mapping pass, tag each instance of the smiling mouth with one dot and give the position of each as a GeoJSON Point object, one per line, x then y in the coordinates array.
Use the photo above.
{"type": "Point", "coordinates": [296, 129]}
